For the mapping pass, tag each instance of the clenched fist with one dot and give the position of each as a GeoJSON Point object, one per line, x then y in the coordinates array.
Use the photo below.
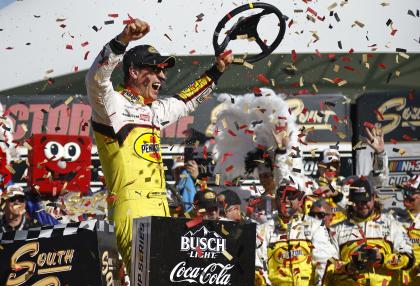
{"type": "Point", "coordinates": [134, 31]}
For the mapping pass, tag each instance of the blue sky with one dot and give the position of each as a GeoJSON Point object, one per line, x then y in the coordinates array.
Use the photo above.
{"type": "Point", "coordinates": [5, 3]}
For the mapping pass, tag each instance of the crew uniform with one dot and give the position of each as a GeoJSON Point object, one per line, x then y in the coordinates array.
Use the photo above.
{"type": "Point", "coordinates": [127, 134]}
{"type": "Point", "coordinates": [293, 253]}
{"type": "Point", "coordinates": [411, 223]}
{"type": "Point", "coordinates": [355, 237]}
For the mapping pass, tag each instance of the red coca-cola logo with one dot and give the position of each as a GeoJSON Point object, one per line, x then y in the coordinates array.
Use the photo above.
{"type": "Point", "coordinates": [212, 274]}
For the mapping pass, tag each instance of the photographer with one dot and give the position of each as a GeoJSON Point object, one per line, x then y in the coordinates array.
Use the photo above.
{"type": "Point", "coordinates": [372, 247]}
{"type": "Point", "coordinates": [185, 174]}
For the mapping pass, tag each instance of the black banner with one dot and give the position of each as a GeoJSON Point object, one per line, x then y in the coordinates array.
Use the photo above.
{"type": "Point", "coordinates": [169, 251]}
{"type": "Point", "coordinates": [73, 254]}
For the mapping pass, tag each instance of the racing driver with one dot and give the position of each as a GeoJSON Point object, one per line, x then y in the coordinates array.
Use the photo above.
{"type": "Point", "coordinates": [127, 125]}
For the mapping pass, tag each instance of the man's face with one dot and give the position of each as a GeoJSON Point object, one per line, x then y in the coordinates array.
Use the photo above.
{"type": "Point", "coordinates": [364, 209]}
{"type": "Point", "coordinates": [267, 181]}
{"type": "Point", "coordinates": [211, 213]}
{"type": "Point", "coordinates": [329, 170]}
{"type": "Point", "coordinates": [412, 202]}
{"type": "Point", "coordinates": [323, 213]}
{"type": "Point", "coordinates": [148, 80]}
{"type": "Point", "coordinates": [233, 212]}
{"type": "Point", "coordinates": [289, 204]}
{"type": "Point", "coordinates": [15, 206]}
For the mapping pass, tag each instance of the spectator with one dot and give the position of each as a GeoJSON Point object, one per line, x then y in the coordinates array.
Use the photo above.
{"type": "Point", "coordinates": [185, 177]}
{"type": "Point", "coordinates": [371, 246]}
{"type": "Point", "coordinates": [14, 215]}
{"type": "Point", "coordinates": [411, 222]}
{"type": "Point", "coordinates": [231, 205]}
{"type": "Point", "coordinates": [321, 210]}
{"type": "Point", "coordinates": [205, 204]}
{"type": "Point", "coordinates": [292, 250]}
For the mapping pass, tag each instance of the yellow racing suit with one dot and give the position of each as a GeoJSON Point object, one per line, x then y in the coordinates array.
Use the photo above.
{"type": "Point", "coordinates": [411, 223]}
{"type": "Point", "coordinates": [127, 134]}
{"type": "Point", "coordinates": [379, 231]}
{"type": "Point", "coordinates": [293, 253]}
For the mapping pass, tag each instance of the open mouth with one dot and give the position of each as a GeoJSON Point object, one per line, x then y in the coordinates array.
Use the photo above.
{"type": "Point", "coordinates": [156, 86]}
{"type": "Point", "coordinates": [62, 177]}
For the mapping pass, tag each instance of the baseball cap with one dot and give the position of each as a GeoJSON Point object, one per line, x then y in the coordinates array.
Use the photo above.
{"type": "Point", "coordinates": [146, 56]}
{"type": "Point", "coordinates": [13, 191]}
{"type": "Point", "coordinates": [412, 186]}
{"type": "Point", "coordinates": [178, 162]}
{"type": "Point", "coordinates": [205, 199]}
{"type": "Point", "coordinates": [229, 198]}
{"type": "Point", "coordinates": [360, 189]}
{"type": "Point", "coordinates": [330, 155]}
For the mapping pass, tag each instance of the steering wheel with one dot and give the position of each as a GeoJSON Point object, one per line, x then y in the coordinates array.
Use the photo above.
{"type": "Point", "coordinates": [248, 25]}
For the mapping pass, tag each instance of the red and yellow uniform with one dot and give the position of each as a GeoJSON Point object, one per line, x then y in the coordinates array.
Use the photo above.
{"type": "Point", "coordinates": [379, 231]}
{"type": "Point", "coordinates": [293, 253]}
{"type": "Point", "coordinates": [127, 134]}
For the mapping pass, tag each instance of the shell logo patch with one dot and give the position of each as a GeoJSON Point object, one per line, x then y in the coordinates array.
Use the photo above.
{"type": "Point", "coordinates": [147, 146]}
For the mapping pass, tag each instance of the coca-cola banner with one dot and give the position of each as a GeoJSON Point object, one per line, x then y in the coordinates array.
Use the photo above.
{"type": "Point", "coordinates": [174, 251]}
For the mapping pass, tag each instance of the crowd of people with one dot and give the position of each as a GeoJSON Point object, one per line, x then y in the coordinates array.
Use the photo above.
{"type": "Point", "coordinates": [329, 231]}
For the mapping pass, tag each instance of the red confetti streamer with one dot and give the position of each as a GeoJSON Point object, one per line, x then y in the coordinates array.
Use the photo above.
{"type": "Point", "coordinates": [393, 141]}
{"type": "Point", "coordinates": [194, 222]}
{"type": "Point", "coordinates": [378, 114]}
{"type": "Point", "coordinates": [290, 23]}
{"type": "Point", "coordinates": [256, 90]}
{"type": "Point", "coordinates": [331, 56]}
{"type": "Point", "coordinates": [393, 32]}
{"type": "Point", "coordinates": [293, 55]}
{"type": "Point", "coordinates": [69, 47]}
{"type": "Point", "coordinates": [346, 59]}
{"type": "Point", "coordinates": [76, 69]}
{"type": "Point", "coordinates": [86, 55]}
{"type": "Point", "coordinates": [351, 51]}
{"type": "Point", "coordinates": [382, 65]}
{"type": "Point", "coordinates": [191, 52]}
{"type": "Point", "coordinates": [225, 54]}
{"type": "Point", "coordinates": [128, 22]}
{"type": "Point", "coordinates": [318, 53]}
{"type": "Point", "coordinates": [63, 26]}
{"type": "Point", "coordinates": [312, 11]}
{"type": "Point", "coordinates": [407, 137]}
{"type": "Point", "coordinates": [368, 125]}
{"type": "Point", "coordinates": [199, 251]}
{"type": "Point", "coordinates": [84, 44]}
{"type": "Point", "coordinates": [350, 68]}
{"type": "Point", "coordinates": [229, 168]}
{"type": "Point", "coordinates": [195, 62]}
{"type": "Point", "coordinates": [113, 15]}
{"type": "Point", "coordinates": [262, 78]}
{"type": "Point", "coordinates": [304, 110]}
{"type": "Point", "coordinates": [231, 133]}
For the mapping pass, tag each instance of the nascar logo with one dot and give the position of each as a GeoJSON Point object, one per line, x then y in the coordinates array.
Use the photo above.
{"type": "Point", "coordinates": [147, 146]}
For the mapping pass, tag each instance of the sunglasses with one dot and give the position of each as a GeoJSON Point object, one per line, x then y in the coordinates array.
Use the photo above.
{"type": "Point", "coordinates": [320, 215]}
{"type": "Point", "coordinates": [19, 199]}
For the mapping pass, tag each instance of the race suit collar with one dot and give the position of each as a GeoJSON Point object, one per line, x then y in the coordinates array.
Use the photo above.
{"type": "Point", "coordinates": [374, 216]}
{"type": "Point", "coordinates": [129, 93]}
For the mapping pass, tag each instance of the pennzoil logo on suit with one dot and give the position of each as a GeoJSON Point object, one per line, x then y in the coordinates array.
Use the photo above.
{"type": "Point", "coordinates": [147, 146]}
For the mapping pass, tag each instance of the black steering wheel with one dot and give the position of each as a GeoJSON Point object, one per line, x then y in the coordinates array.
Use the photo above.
{"type": "Point", "coordinates": [248, 26]}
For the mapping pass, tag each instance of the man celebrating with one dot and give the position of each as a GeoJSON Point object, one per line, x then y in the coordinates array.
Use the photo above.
{"type": "Point", "coordinates": [291, 250]}
{"type": "Point", "coordinates": [127, 125]}
{"type": "Point", "coordinates": [372, 246]}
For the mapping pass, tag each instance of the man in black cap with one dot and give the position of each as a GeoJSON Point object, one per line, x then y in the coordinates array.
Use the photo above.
{"type": "Point", "coordinates": [206, 205]}
{"type": "Point", "coordinates": [231, 205]}
{"type": "Point", "coordinates": [127, 124]}
{"type": "Point", "coordinates": [372, 247]}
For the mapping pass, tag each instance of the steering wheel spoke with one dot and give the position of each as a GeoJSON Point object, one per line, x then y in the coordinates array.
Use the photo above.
{"type": "Point", "coordinates": [248, 26]}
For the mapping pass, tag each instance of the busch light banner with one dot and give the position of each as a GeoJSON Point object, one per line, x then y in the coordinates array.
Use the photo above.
{"type": "Point", "coordinates": [165, 251]}
{"type": "Point", "coordinates": [83, 253]}
{"type": "Point", "coordinates": [399, 115]}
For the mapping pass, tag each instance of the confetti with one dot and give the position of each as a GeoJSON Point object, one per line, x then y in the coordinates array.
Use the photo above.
{"type": "Point", "coordinates": [128, 22]}
{"type": "Point", "coordinates": [227, 255]}
{"type": "Point", "coordinates": [86, 55]}
{"type": "Point", "coordinates": [167, 36]}
{"type": "Point", "coordinates": [84, 44]}
{"type": "Point", "coordinates": [69, 47]}
{"type": "Point", "coordinates": [262, 78]}
{"type": "Point", "coordinates": [194, 222]}
{"type": "Point", "coordinates": [113, 15]}
{"type": "Point", "coordinates": [109, 22]}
